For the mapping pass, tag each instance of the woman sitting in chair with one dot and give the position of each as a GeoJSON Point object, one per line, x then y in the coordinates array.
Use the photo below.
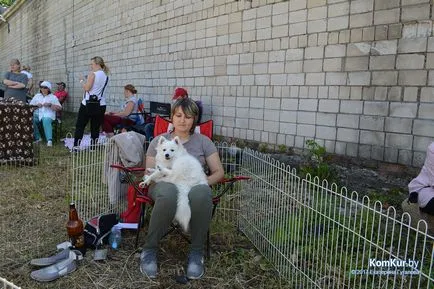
{"type": "Point", "coordinates": [184, 115]}
{"type": "Point", "coordinates": [177, 94]}
{"type": "Point", "coordinates": [47, 105]}
{"type": "Point", "coordinates": [128, 116]}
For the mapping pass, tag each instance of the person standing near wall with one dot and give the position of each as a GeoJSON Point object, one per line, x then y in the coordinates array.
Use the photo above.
{"type": "Point", "coordinates": [93, 104]}
{"type": "Point", "coordinates": [15, 82]}
{"type": "Point", "coordinates": [26, 71]}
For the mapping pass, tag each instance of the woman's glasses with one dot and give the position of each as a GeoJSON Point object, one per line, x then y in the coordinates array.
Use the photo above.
{"type": "Point", "coordinates": [43, 87]}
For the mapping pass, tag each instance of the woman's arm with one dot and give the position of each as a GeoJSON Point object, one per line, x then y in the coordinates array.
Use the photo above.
{"type": "Point", "coordinates": [14, 84]}
{"type": "Point", "coordinates": [215, 167]}
{"type": "Point", "coordinates": [150, 162]}
{"type": "Point", "coordinates": [8, 82]}
{"type": "Point", "coordinates": [89, 83]}
{"type": "Point", "coordinates": [18, 85]}
{"type": "Point", "coordinates": [56, 107]}
{"type": "Point", "coordinates": [127, 110]}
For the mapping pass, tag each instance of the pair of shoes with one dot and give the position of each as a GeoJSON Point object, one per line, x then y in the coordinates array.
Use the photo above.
{"type": "Point", "coordinates": [60, 265]}
{"type": "Point", "coordinates": [195, 267]}
{"type": "Point", "coordinates": [50, 260]}
{"type": "Point", "coordinates": [49, 143]}
{"type": "Point", "coordinates": [148, 263]}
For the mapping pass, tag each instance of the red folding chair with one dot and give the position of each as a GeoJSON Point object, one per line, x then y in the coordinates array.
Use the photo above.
{"type": "Point", "coordinates": [139, 199]}
{"type": "Point", "coordinates": [162, 125]}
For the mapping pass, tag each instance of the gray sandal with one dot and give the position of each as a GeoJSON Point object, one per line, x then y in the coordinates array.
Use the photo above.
{"type": "Point", "coordinates": [59, 269]}
{"type": "Point", "coordinates": [64, 254]}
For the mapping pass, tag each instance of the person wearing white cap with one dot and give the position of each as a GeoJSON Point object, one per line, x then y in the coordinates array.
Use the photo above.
{"type": "Point", "coordinates": [47, 104]}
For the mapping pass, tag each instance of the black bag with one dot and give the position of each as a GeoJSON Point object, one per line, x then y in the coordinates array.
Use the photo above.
{"type": "Point", "coordinates": [97, 230]}
{"type": "Point", "coordinates": [93, 105]}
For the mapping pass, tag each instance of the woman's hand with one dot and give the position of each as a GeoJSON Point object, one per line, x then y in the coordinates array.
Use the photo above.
{"type": "Point", "coordinates": [47, 104]}
{"type": "Point", "coordinates": [87, 85]}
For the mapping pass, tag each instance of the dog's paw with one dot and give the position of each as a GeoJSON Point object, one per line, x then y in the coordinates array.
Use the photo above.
{"type": "Point", "coordinates": [150, 170]}
{"type": "Point", "coordinates": [165, 171]}
{"type": "Point", "coordinates": [146, 181]}
{"type": "Point", "coordinates": [142, 185]}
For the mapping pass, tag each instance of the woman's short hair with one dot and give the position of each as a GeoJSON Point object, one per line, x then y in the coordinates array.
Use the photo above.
{"type": "Point", "coordinates": [189, 107]}
{"type": "Point", "coordinates": [130, 88]}
{"type": "Point", "coordinates": [15, 61]}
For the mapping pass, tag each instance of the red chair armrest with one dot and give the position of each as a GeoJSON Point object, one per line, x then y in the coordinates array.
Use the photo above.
{"type": "Point", "coordinates": [234, 179]}
{"type": "Point", "coordinates": [125, 169]}
{"type": "Point", "coordinates": [228, 183]}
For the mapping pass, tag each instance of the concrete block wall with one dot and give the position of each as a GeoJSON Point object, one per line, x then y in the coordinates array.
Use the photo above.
{"type": "Point", "coordinates": [357, 76]}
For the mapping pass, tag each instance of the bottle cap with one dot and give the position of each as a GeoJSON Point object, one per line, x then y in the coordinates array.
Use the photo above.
{"type": "Point", "coordinates": [114, 245]}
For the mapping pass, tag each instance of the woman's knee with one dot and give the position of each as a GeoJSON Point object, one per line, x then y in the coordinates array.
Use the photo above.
{"type": "Point", "coordinates": [163, 190]}
{"type": "Point", "coordinates": [200, 195]}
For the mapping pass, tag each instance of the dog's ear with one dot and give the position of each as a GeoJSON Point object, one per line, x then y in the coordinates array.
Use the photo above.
{"type": "Point", "coordinates": [176, 140]}
{"type": "Point", "coordinates": [161, 140]}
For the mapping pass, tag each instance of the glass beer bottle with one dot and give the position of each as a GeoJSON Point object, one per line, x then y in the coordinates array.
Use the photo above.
{"type": "Point", "coordinates": [75, 228]}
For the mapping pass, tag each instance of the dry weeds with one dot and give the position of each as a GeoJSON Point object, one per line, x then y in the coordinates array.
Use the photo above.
{"type": "Point", "coordinates": [33, 213]}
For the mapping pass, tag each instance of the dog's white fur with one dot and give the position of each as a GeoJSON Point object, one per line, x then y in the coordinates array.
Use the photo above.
{"type": "Point", "coordinates": [175, 165]}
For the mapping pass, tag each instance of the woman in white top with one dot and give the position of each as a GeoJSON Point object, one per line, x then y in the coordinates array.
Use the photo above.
{"type": "Point", "coordinates": [47, 104]}
{"type": "Point", "coordinates": [26, 71]}
{"type": "Point", "coordinates": [128, 116]}
{"type": "Point", "coordinates": [93, 104]}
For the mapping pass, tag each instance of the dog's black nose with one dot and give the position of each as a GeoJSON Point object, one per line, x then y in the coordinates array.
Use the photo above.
{"type": "Point", "coordinates": [167, 156]}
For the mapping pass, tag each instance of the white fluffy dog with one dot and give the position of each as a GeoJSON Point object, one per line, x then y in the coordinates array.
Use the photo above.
{"type": "Point", "coordinates": [175, 165]}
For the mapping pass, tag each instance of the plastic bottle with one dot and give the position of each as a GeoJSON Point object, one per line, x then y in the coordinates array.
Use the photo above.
{"type": "Point", "coordinates": [115, 237]}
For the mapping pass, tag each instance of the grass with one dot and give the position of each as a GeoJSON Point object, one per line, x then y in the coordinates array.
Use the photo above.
{"type": "Point", "coordinates": [33, 216]}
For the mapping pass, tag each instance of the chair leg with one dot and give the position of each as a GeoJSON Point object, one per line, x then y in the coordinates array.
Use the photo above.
{"type": "Point", "coordinates": [140, 224]}
{"type": "Point", "coordinates": [59, 132]}
{"type": "Point", "coordinates": [208, 248]}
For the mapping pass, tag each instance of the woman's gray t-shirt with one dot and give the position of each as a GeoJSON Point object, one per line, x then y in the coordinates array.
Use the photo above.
{"type": "Point", "coordinates": [20, 93]}
{"type": "Point", "coordinates": [198, 145]}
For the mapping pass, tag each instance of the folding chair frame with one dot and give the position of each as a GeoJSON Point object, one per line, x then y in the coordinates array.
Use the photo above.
{"type": "Point", "coordinates": [144, 199]}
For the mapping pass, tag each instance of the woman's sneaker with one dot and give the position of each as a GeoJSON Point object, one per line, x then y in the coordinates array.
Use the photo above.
{"type": "Point", "coordinates": [195, 267]}
{"type": "Point", "coordinates": [49, 143]}
{"type": "Point", "coordinates": [148, 263]}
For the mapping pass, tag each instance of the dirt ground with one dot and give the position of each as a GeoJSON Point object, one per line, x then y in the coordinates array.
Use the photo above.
{"type": "Point", "coordinates": [33, 213]}
{"type": "Point", "coordinates": [380, 181]}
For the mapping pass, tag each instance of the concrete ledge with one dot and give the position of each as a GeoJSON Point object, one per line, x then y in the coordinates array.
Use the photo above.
{"type": "Point", "coordinates": [14, 8]}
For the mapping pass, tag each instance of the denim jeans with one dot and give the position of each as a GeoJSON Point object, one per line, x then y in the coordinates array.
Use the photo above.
{"type": "Point", "coordinates": [149, 131]}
